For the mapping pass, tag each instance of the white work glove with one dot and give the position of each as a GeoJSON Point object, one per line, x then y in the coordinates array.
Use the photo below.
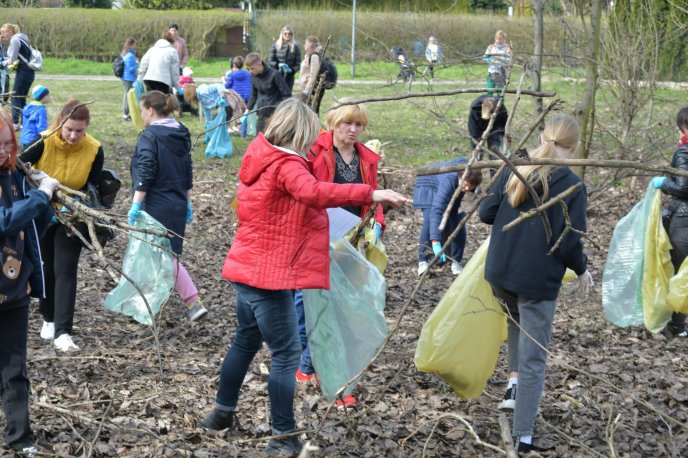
{"type": "Point", "coordinates": [46, 183]}
{"type": "Point", "coordinates": [585, 282]}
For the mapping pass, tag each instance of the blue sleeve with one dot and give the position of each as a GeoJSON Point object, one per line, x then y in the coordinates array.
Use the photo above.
{"type": "Point", "coordinates": [445, 190]}
{"type": "Point", "coordinates": [42, 124]}
{"type": "Point", "coordinates": [229, 83]}
{"type": "Point", "coordinates": [20, 214]}
{"type": "Point", "coordinates": [146, 164]}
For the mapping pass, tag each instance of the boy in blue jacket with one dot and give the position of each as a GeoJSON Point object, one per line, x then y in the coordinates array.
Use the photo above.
{"type": "Point", "coordinates": [35, 116]}
{"type": "Point", "coordinates": [432, 194]}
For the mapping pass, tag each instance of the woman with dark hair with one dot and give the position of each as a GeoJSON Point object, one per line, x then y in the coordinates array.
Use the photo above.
{"type": "Point", "coordinates": [161, 175]}
{"type": "Point", "coordinates": [677, 187]}
{"type": "Point", "coordinates": [159, 69]}
{"type": "Point", "coordinates": [129, 75]}
{"type": "Point", "coordinates": [18, 56]}
{"type": "Point", "coordinates": [285, 56]}
{"type": "Point", "coordinates": [75, 159]}
{"type": "Point", "coordinates": [281, 245]}
{"type": "Point", "coordinates": [25, 215]}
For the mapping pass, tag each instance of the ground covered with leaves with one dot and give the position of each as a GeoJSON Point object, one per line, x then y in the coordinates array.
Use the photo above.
{"type": "Point", "coordinates": [607, 389]}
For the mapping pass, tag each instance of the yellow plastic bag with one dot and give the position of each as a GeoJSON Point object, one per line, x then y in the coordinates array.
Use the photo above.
{"type": "Point", "coordinates": [677, 297]}
{"type": "Point", "coordinates": [460, 340]}
{"type": "Point", "coordinates": [657, 270]}
{"type": "Point", "coordinates": [376, 254]}
{"type": "Point", "coordinates": [134, 110]}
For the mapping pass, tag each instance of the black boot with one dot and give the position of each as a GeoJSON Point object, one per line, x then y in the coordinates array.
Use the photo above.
{"type": "Point", "coordinates": [219, 420]}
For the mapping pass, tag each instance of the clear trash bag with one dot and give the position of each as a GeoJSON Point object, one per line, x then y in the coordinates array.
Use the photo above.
{"type": "Point", "coordinates": [148, 262]}
{"type": "Point", "coordinates": [460, 341]}
{"type": "Point", "coordinates": [346, 325]}
{"type": "Point", "coordinates": [623, 271]}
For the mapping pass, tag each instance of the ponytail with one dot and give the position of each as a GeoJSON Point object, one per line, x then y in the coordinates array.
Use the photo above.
{"type": "Point", "coordinates": [162, 104]}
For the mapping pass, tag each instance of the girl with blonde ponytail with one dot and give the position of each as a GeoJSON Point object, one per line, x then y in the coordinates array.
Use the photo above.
{"type": "Point", "coordinates": [524, 275]}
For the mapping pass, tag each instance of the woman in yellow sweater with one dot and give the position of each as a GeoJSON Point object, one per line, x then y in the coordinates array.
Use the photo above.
{"type": "Point", "coordinates": [74, 158]}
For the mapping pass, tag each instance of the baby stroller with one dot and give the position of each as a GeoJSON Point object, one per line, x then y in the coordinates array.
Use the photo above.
{"type": "Point", "coordinates": [407, 69]}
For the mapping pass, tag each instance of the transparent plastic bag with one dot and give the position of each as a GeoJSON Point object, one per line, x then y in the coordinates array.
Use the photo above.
{"type": "Point", "coordinates": [623, 272]}
{"type": "Point", "coordinates": [657, 269]}
{"type": "Point", "coordinates": [218, 139]}
{"type": "Point", "coordinates": [346, 325]}
{"type": "Point", "coordinates": [148, 262]}
{"type": "Point", "coordinates": [460, 340]}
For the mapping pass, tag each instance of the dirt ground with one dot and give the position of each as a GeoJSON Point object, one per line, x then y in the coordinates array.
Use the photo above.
{"type": "Point", "coordinates": [605, 386]}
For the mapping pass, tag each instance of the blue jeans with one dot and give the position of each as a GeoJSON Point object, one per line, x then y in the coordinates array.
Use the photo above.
{"type": "Point", "coordinates": [263, 315]}
{"type": "Point", "coordinates": [306, 365]}
{"type": "Point", "coordinates": [457, 245]}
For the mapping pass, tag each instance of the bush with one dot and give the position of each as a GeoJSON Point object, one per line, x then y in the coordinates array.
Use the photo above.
{"type": "Point", "coordinates": [99, 34]}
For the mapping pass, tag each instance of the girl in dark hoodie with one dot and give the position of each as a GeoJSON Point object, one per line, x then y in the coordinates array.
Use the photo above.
{"type": "Point", "coordinates": [161, 175]}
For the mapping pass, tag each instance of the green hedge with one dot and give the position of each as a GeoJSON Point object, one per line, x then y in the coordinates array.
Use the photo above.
{"type": "Point", "coordinates": [100, 34]}
{"type": "Point", "coordinates": [461, 36]}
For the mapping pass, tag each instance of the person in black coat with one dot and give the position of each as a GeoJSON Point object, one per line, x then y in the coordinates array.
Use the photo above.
{"type": "Point", "coordinates": [479, 117]}
{"type": "Point", "coordinates": [162, 177]}
{"type": "Point", "coordinates": [268, 89]}
{"type": "Point", "coordinates": [285, 56]}
{"type": "Point", "coordinates": [523, 274]}
{"type": "Point", "coordinates": [24, 216]}
{"type": "Point", "coordinates": [677, 187]}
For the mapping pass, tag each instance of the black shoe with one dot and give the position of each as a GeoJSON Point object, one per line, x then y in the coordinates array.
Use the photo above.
{"type": "Point", "coordinates": [509, 401]}
{"type": "Point", "coordinates": [527, 448]}
{"type": "Point", "coordinates": [218, 420]}
{"type": "Point", "coordinates": [284, 446]}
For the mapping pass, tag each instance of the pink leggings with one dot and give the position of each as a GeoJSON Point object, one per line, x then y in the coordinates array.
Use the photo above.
{"type": "Point", "coordinates": [183, 285]}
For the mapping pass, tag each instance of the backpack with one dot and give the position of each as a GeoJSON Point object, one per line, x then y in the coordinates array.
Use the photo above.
{"type": "Point", "coordinates": [328, 68]}
{"type": "Point", "coordinates": [118, 66]}
{"type": "Point", "coordinates": [35, 61]}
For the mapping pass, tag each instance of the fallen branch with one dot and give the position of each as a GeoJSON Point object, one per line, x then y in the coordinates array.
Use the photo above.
{"type": "Point", "coordinates": [505, 433]}
{"type": "Point", "coordinates": [541, 209]}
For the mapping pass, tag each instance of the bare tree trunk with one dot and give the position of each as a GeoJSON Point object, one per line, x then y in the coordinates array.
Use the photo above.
{"type": "Point", "coordinates": [536, 72]}
{"type": "Point", "coordinates": [585, 109]}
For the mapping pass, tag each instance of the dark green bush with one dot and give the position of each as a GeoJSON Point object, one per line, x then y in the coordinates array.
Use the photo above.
{"type": "Point", "coordinates": [99, 34]}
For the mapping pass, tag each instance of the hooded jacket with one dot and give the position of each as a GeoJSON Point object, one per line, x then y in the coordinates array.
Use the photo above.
{"type": "Point", "coordinates": [130, 66]}
{"type": "Point", "coordinates": [477, 125]}
{"type": "Point", "coordinates": [324, 167]}
{"type": "Point", "coordinates": [240, 81]}
{"type": "Point", "coordinates": [518, 260]}
{"type": "Point", "coordinates": [34, 121]}
{"type": "Point", "coordinates": [160, 63]}
{"type": "Point", "coordinates": [161, 167]}
{"type": "Point", "coordinates": [283, 235]}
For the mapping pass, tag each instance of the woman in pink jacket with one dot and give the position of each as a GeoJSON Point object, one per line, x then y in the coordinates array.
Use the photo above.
{"type": "Point", "coordinates": [281, 245]}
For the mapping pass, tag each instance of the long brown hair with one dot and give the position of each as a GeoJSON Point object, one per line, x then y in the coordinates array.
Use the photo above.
{"type": "Point", "coordinates": [129, 43]}
{"type": "Point", "coordinates": [6, 123]}
{"type": "Point", "coordinates": [71, 110]}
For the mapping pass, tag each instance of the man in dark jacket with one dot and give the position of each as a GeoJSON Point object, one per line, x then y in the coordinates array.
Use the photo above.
{"type": "Point", "coordinates": [479, 117]}
{"type": "Point", "coordinates": [268, 89]}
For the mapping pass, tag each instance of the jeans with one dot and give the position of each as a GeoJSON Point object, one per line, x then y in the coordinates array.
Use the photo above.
{"type": "Point", "coordinates": [263, 315]}
{"type": "Point", "coordinates": [458, 244]}
{"type": "Point", "coordinates": [61, 259]}
{"type": "Point", "coordinates": [306, 364]}
{"type": "Point", "coordinates": [22, 83]}
{"type": "Point", "coordinates": [536, 317]}
{"type": "Point", "coordinates": [678, 236]}
{"type": "Point", "coordinates": [125, 103]}
{"type": "Point", "coordinates": [14, 376]}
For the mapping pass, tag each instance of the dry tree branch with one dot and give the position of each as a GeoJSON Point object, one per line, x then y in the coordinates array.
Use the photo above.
{"type": "Point", "coordinates": [540, 209]}
{"type": "Point", "coordinates": [568, 227]}
{"type": "Point", "coordinates": [437, 94]}
{"type": "Point", "coordinates": [469, 428]}
{"type": "Point", "coordinates": [505, 433]}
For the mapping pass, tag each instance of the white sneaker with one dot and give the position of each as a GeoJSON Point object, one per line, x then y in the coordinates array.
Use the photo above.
{"type": "Point", "coordinates": [29, 452]}
{"type": "Point", "coordinates": [48, 331]}
{"type": "Point", "coordinates": [422, 267]}
{"type": "Point", "coordinates": [456, 268]}
{"type": "Point", "coordinates": [65, 343]}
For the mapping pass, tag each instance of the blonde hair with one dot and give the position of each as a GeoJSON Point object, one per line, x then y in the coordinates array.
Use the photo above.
{"type": "Point", "coordinates": [489, 105]}
{"type": "Point", "coordinates": [500, 33]}
{"type": "Point", "coordinates": [293, 125]}
{"type": "Point", "coordinates": [252, 58]}
{"type": "Point", "coordinates": [13, 27]}
{"type": "Point", "coordinates": [280, 42]}
{"type": "Point", "coordinates": [561, 136]}
{"type": "Point", "coordinates": [357, 113]}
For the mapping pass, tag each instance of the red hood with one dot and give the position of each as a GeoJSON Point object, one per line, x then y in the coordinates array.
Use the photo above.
{"type": "Point", "coordinates": [260, 155]}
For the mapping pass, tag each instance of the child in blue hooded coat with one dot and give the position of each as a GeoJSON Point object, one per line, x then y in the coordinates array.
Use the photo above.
{"type": "Point", "coordinates": [35, 116]}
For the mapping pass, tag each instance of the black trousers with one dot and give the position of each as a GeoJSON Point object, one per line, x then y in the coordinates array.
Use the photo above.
{"type": "Point", "coordinates": [157, 86]}
{"type": "Point", "coordinates": [22, 83]}
{"type": "Point", "coordinates": [14, 376]}
{"type": "Point", "coordinates": [61, 259]}
{"type": "Point", "coordinates": [678, 236]}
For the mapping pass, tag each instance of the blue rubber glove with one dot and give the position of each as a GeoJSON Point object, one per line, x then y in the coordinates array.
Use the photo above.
{"type": "Point", "coordinates": [134, 212]}
{"type": "Point", "coordinates": [436, 248]}
{"type": "Point", "coordinates": [189, 212]}
{"type": "Point", "coordinates": [657, 182]}
{"type": "Point", "coordinates": [378, 233]}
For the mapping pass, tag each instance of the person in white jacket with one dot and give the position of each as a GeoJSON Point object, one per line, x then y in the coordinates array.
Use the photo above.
{"type": "Point", "coordinates": [159, 68]}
